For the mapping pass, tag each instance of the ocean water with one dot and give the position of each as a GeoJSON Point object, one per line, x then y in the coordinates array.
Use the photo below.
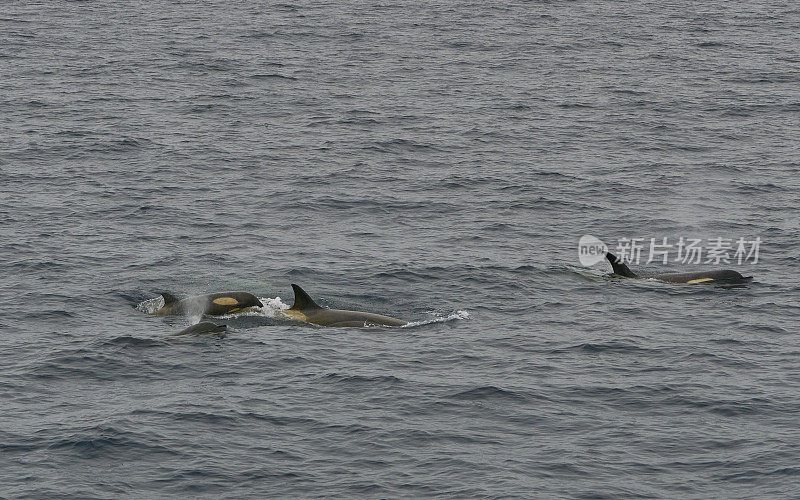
{"type": "Point", "coordinates": [432, 161]}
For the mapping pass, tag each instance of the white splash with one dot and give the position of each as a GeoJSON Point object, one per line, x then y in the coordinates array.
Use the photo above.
{"type": "Point", "coordinates": [453, 316]}
{"type": "Point", "coordinates": [150, 306]}
{"type": "Point", "coordinates": [272, 308]}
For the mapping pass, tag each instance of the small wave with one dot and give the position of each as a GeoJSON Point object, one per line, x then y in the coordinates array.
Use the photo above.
{"type": "Point", "coordinates": [455, 315]}
{"type": "Point", "coordinates": [628, 92]}
{"type": "Point", "coordinates": [767, 329]}
{"type": "Point", "coordinates": [605, 347]}
{"type": "Point", "coordinates": [19, 447]}
{"type": "Point", "coordinates": [203, 417]}
{"type": "Point", "coordinates": [727, 341]}
{"type": "Point", "coordinates": [73, 133]}
{"type": "Point", "coordinates": [52, 315]}
{"type": "Point", "coordinates": [574, 105]}
{"type": "Point", "coordinates": [358, 121]}
{"type": "Point", "coordinates": [402, 145]}
{"type": "Point", "coordinates": [423, 436]}
{"type": "Point", "coordinates": [751, 475]}
{"type": "Point", "coordinates": [204, 108]}
{"type": "Point", "coordinates": [727, 408]}
{"type": "Point", "coordinates": [363, 379]}
{"type": "Point", "coordinates": [708, 45]}
{"type": "Point", "coordinates": [272, 76]}
{"type": "Point", "coordinates": [486, 392]}
{"type": "Point", "coordinates": [124, 144]}
{"type": "Point", "coordinates": [259, 35]}
{"type": "Point", "coordinates": [83, 364]}
{"type": "Point", "coordinates": [129, 341]}
{"type": "Point", "coordinates": [104, 440]}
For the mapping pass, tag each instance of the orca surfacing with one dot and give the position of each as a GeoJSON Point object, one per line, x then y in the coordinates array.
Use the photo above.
{"type": "Point", "coordinates": [305, 309]}
{"type": "Point", "coordinates": [722, 276]}
{"type": "Point", "coordinates": [215, 304]}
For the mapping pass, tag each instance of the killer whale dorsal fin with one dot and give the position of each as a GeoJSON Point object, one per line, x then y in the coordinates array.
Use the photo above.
{"type": "Point", "coordinates": [169, 298]}
{"type": "Point", "coordinates": [619, 267]}
{"type": "Point", "coordinates": [301, 300]}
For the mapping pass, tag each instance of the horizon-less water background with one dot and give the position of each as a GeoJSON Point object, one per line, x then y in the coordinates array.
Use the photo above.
{"type": "Point", "coordinates": [432, 161]}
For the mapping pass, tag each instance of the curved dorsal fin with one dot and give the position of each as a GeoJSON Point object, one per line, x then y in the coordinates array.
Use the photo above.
{"type": "Point", "coordinates": [302, 301]}
{"type": "Point", "coordinates": [619, 267]}
{"type": "Point", "coordinates": [169, 298]}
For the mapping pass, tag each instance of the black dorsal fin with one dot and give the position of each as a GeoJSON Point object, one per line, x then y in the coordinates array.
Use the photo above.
{"type": "Point", "coordinates": [302, 301]}
{"type": "Point", "coordinates": [619, 267]}
{"type": "Point", "coordinates": [169, 298]}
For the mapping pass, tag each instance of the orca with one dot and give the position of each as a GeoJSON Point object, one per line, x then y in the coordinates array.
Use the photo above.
{"type": "Point", "coordinates": [215, 304]}
{"type": "Point", "coordinates": [204, 329]}
{"type": "Point", "coordinates": [722, 276]}
{"type": "Point", "coordinates": [305, 309]}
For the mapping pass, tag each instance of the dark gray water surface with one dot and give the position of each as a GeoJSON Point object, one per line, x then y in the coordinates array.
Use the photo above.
{"type": "Point", "coordinates": [432, 161]}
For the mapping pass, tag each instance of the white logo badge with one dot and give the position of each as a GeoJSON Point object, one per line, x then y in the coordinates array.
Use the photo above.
{"type": "Point", "coordinates": [591, 250]}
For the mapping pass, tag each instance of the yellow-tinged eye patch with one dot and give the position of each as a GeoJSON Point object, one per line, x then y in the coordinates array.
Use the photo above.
{"type": "Point", "coordinates": [700, 280]}
{"type": "Point", "coordinates": [226, 301]}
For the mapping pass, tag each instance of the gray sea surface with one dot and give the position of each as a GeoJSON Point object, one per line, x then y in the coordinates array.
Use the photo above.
{"type": "Point", "coordinates": [434, 161]}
